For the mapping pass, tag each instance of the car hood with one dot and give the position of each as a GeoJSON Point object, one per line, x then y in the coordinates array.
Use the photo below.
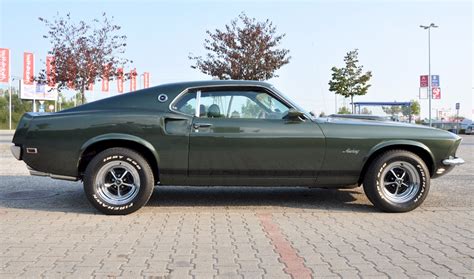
{"type": "Point", "coordinates": [360, 128]}
{"type": "Point", "coordinates": [370, 122]}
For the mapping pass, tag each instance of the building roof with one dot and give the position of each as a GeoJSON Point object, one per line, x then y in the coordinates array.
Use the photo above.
{"type": "Point", "coordinates": [382, 103]}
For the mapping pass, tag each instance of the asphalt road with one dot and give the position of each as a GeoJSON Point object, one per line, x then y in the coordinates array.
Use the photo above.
{"type": "Point", "coordinates": [48, 228]}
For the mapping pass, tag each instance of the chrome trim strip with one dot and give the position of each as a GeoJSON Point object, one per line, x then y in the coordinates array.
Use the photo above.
{"type": "Point", "coordinates": [37, 173]}
{"type": "Point", "coordinates": [451, 161]}
{"type": "Point", "coordinates": [63, 177]}
{"type": "Point", "coordinates": [54, 176]}
{"type": "Point", "coordinates": [198, 104]}
{"type": "Point", "coordinates": [267, 88]}
{"type": "Point", "coordinates": [16, 151]}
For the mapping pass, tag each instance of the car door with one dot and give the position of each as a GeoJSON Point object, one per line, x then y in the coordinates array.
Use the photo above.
{"type": "Point", "coordinates": [239, 136]}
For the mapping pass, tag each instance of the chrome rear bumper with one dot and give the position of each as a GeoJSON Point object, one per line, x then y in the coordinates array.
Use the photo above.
{"type": "Point", "coordinates": [16, 151]}
{"type": "Point", "coordinates": [451, 161]}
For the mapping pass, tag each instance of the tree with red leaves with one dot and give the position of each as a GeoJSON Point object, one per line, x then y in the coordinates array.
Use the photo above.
{"type": "Point", "coordinates": [246, 49]}
{"type": "Point", "coordinates": [83, 52]}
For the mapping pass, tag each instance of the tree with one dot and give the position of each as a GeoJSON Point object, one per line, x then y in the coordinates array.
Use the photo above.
{"type": "Point", "coordinates": [392, 110]}
{"type": "Point", "coordinates": [246, 49]}
{"type": "Point", "coordinates": [19, 107]}
{"type": "Point", "coordinates": [83, 52]}
{"type": "Point", "coordinates": [366, 111]}
{"type": "Point", "coordinates": [414, 109]}
{"type": "Point", "coordinates": [343, 110]}
{"type": "Point", "coordinates": [71, 102]}
{"type": "Point", "coordinates": [349, 81]}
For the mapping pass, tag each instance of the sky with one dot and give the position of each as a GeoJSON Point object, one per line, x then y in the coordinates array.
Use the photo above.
{"type": "Point", "coordinates": [162, 34]}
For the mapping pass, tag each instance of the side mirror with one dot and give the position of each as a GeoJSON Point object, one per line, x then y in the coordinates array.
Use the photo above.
{"type": "Point", "coordinates": [294, 115]}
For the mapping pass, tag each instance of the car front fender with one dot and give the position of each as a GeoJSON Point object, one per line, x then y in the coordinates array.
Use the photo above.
{"type": "Point", "coordinates": [399, 144]}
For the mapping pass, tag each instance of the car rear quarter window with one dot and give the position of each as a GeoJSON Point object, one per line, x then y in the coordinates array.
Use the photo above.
{"type": "Point", "coordinates": [186, 104]}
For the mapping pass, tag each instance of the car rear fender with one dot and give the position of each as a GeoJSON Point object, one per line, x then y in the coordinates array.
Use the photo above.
{"type": "Point", "coordinates": [118, 137]}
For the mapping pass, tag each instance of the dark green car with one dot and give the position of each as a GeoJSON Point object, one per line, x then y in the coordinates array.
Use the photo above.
{"type": "Point", "coordinates": [241, 133]}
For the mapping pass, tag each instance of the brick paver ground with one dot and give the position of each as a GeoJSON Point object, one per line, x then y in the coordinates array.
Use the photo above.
{"type": "Point", "coordinates": [48, 229]}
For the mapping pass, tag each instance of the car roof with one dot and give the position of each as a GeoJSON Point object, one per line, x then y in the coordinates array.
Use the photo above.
{"type": "Point", "coordinates": [146, 98]}
{"type": "Point", "coordinates": [187, 84]}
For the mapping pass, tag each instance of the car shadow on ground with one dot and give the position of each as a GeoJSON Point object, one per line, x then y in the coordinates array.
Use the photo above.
{"type": "Point", "coordinates": [44, 194]}
{"type": "Point", "coordinates": [260, 197]}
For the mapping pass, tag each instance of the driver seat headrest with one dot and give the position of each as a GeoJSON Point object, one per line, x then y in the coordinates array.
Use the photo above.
{"type": "Point", "coordinates": [213, 111]}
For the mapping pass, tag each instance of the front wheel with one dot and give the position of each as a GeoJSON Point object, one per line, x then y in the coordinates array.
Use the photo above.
{"type": "Point", "coordinates": [397, 181]}
{"type": "Point", "coordinates": [118, 181]}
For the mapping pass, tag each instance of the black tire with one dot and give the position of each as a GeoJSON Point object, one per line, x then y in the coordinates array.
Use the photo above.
{"type": "Point", "coordinates": [397, 181]}
{"type": "Point", "coordinates": [106, 170]}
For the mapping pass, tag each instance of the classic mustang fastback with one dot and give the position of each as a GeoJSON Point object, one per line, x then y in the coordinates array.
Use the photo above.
{"type": "Point", "coordinates": [228, 133]}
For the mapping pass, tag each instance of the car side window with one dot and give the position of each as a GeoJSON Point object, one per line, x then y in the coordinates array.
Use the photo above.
{"type": "Point", "coordinates": [186, 104]}
{"type": "Point", "coordinates": [240, 104]}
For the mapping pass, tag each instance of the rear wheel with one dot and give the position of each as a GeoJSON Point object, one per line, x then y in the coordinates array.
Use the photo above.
{"type": "Point", "coordinates": [118, 181]}
{"type": "Point", "coordinates": [397, 181]}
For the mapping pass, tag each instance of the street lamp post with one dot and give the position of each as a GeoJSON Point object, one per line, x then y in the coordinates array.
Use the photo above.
{"type": "Point", "coordinates": [10, 104]}
{"type": "Point", "coordinates": [430, 93]}
{"type": "Point", "coordinates": [10, 89]}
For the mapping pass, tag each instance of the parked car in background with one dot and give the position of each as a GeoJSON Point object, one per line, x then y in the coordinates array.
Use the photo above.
{"type": "Point", "coordinates": [470, 129]}
{"type": "Point", "coordinates": [236, 133]}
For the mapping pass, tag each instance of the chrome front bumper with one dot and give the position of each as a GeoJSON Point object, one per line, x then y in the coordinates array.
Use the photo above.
{"type": "Point", "coordinates": [16, 151]}
{"type": "Point", "coordinates": [451, 161]}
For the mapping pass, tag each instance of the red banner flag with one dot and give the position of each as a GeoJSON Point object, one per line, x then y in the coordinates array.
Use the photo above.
{"type": "Point", "coordinates": [28, 68]}
{"type": "Point", "coordinates": [90, 86]}
{"type": "Point", "coordinates": [120, 80]}
{"type": "Point", "coordinates": [146, 79]}
{"type": "Point", "coordinates": [105, 79]}
{"type": "Point", "coordinates": [133, 80]}
{"type": "Point", "coordinates": [91, 73]}
{"type": "Point", "coordinates": [50, 73]}
{"type": "Point", "coordinates": [4, 64]}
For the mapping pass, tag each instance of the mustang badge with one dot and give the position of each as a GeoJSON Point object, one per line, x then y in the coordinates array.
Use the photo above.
{"type": "Point", "coordinates": [351, 151]}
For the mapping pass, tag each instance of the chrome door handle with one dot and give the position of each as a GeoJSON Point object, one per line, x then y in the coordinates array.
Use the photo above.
{"type": "Point", "coordinates": [201, 125]}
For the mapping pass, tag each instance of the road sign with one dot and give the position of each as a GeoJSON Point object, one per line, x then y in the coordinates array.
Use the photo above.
{"type": "Point", "coordinates": [436, 91]}
{"type": "Point", "coordinates": [424, 81]}
{"type": "Point", "coordinates": [458, 105]}
{"type": "Point", "coordinates": [434, 80]}
{"type": "Point", "coordinates": [423, 93]}
{"type": "Point", "coordinates": [37, 91]}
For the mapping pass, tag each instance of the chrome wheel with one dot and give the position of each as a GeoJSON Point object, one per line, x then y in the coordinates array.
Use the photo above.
{"type": "Point", "coordinates": [117, 182]}
{"type": "Point", "coordinates": [400, 182]}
